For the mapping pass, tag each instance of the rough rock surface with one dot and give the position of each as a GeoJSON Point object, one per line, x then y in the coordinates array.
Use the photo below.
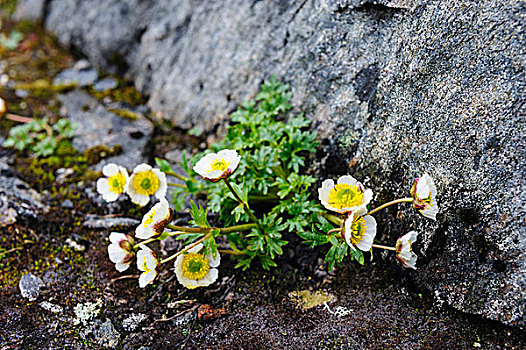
{"type": "Point", "coordinates": [395, 88]}
{"type": "Point", "coordinates": [97, 126]}
{"type": "Point", "coordinates": [30, 286]}
{"type": "Point", "coordinates": [30, 10]}
{"type": "Point", "coordinates": [17, 199]}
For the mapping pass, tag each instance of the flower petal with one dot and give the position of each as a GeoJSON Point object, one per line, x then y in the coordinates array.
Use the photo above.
{"type": "Point", "coordinates": [348, 179]}
{"type": "Point", "coordinates": [110, 169]}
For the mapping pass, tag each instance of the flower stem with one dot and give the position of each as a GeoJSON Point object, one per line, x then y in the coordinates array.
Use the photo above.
{"type": "Point", "coordinates": [144, 242]}
{"type": "Point", "coordinates": [175, 185]}
{"type": "Point", "coordinates": [155, 239]}
{"type": "Point", "coordinates": [201, 240]}
{"type": "Point", "coordinates": [224, 230]}
{"type": "Point", "coordinates": [240, 201]}
{"type": "Point", "coordinates": [232, 252]}
{"type": "Point", "coordinates": [333, 218]}
{"type": "Point", "coordinates": [334, 230]}
{"type": "Point", "coordinates": [236, 228]}
{"type": "Point", "coordinates": [383, 247]}
{"type": "Point", "coordinates": [189, 229]}
{"type": "Point", "coordinates": [402, 200]}
{"type": "Point", "coordinates": [174, 174]}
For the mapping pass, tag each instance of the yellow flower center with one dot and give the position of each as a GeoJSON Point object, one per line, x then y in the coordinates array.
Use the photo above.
{"type": "Point", "coordinates": [149, 218]}
{"type": "Point", "coordinates": [345, 196]}
{"type": "Point", "coordinates": [145, 265]}
{"type": "Point", "coordinates": [195, 266]}
{"type": "Point", "coordinates": [219, 164]}
{"type": "Point", "coordinates": [358, 229]}
{"type": "Point", "coordinates": [145, 183]}
{"type": "Point", "coordinates": [116, 183]}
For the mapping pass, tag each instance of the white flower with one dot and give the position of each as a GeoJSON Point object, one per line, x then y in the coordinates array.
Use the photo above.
{"type": "Point", "coordinates": [348, 195]}
{"type": "Point", "coordinates": [359, 232]}
{"type": "Point", "coordinates": [154, 222]}
{"type": "Point", "coordinates": [2, 107]}
{"type": "Point", "coordinates": [147, 263]}
{"type": "Point", "coordinates": [424, 194]}
{"type": "Point", "coordinates": [145, 182]}
{"type": "Point", "coordinates": [112, 186]}
{"type": "Point", "coordinates": [121, 250]}
{"type": "Point", "coordinates": [195, 269]}
{"type": "Point", "coordinates": [216, 166]}
{"type": "Point", "coordinates": [404, 250]}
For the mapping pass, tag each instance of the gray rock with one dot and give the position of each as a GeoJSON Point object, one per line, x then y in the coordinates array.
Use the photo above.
{"type": "Point", "coordinates": [96, 222]}
{"type": "Point", "coordinates": [78, 75]}
{"type": "Point", "coordinates": [67, 204]}
{"type": "Point", "coordinates": [133, 321]}
{"type": "Point", "coordinates": [105, 334]}
{"type": "Point", "coordinates": [17, 199]}
{"type": "Point", "coordinates": [100, 127]}
{"type": "Point", "coordinates": [105, 84]}
{"type": "Point", "coordinates": [30, 10]}
{"type": "Point", "coordinates": [56, 309]}
{"type": "Point", "coordinates": [30, 286]}
{"type": "Point", "coordinates": [394, 88]}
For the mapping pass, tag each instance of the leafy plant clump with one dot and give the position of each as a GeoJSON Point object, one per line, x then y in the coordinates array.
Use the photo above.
{"type": "Point", "coordinates": [255, 183]}
{"type": "Point", "coordinates": [40, 138]}
{"type": "Point", "coordinates": [274, 146]}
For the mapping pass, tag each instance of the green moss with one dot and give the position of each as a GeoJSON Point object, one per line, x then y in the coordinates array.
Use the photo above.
{"type": "Point", "coordinates": [7, 7]}
{"type": "Point", "coordinates": [123, 93]}
{"type": "Point", "coordinates": [96, 154]}
{"type": "Point", "coordinates": [124, 113]}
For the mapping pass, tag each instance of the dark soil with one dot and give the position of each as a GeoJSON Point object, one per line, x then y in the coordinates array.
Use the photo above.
{"type": "Point", "coordinates": [242, 310]}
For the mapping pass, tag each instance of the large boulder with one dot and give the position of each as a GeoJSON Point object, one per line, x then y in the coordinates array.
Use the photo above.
{"type": "Point", "coordinates": [395, 88]}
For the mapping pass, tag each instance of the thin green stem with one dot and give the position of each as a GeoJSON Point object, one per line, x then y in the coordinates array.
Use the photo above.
{"type": "Point", "coordinates": [201, 240]}
{"type": "Point", "coordinates": [333, 218]}
{"type": "Point", "coordinates": [240, 201]}
{"type": "Point", "coordinates": [244, 227]}
{"type": "Point", "coordinates": [144, 242]}
{"type": "Point", "coordinates": [402, 200]}
{"type": "Point", "coordinates": [232, 252]}
{"type": "Point", "coordinates": [156, 238]}
{"type": "Point", "coordinates": [224, 230]}
{"type": "Point", "coordinates": [189, 229]}
{"type": "Point", "coordinates": [174, 174]}
{"type": "Point", "coordinates": [175, 185]}
{"type": "Point", "coordinates": [383, 247]}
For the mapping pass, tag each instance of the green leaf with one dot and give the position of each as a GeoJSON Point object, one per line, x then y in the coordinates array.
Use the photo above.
{"type": "Point", "coordinates": [163, 165]}
{"type": "Point", "coordinates": [199, 215]}
{"type": "Point", "coordinates": [238, 211]}
{"type": "Point", "coordinates": [313, 238]}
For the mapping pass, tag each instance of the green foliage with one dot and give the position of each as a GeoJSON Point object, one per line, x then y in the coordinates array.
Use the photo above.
{"type": "Point", "coordinates": [272, 192]}
{"type": "Point", "coordinates": [274, 146]}
{"type": "Point", "coordinates": [40, 138]}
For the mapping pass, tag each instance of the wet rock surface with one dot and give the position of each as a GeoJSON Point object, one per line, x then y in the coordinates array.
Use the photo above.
{"type": "Point", "coordinates": [395, 89]}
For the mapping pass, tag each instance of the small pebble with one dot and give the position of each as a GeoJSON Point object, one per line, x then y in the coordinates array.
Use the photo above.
{"type": "Point", "coordinates": [30, 286]}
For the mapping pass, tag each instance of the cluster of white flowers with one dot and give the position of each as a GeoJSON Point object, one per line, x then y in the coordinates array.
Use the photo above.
{"type": "Point", "coordinates": [349, 197]}
{"type": "Point", "coordinates": [193, 267]}
{"type": "Point", "coordinates": [143, 183]}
